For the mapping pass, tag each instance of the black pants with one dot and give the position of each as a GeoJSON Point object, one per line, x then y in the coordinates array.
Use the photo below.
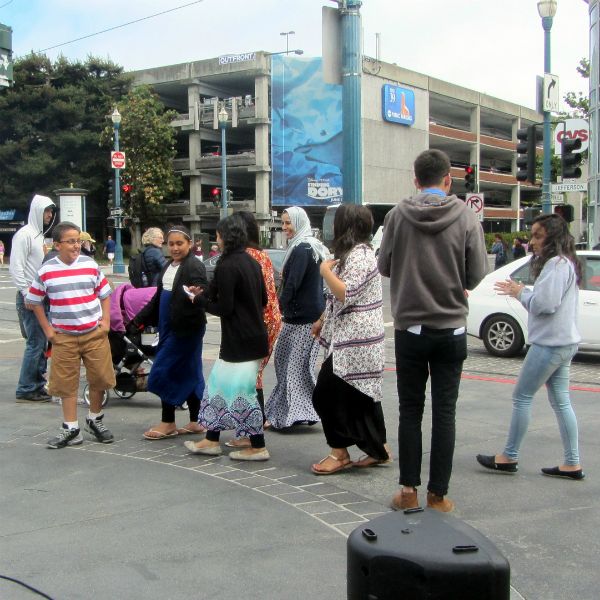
{"type": "Point", "coordinates": [168, 410]}
{"type": "Point", "coordinates": [441, 354]}
{"type": "Point", "coordinates": [348, 416]}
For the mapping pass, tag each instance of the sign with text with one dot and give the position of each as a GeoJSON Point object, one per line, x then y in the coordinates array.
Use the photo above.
{"type": "Point", "coordinates": [475, 202]}
{"type": "Point", "coordinates": [567, 186]}
{"type": "Point", "coordinates": [550, 97]}
{"type": "Point", "coordinates": [398, 104]}
{"type": "Point", "coordinates": [71, 209]}
{"type": "Point", "coordinates": [572, 129]}
{"type": "Point", "coordinates": [117, 159]}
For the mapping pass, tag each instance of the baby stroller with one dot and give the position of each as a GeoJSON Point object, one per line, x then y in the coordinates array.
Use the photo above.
{"type": "Point", "coordinates": [130, 352]}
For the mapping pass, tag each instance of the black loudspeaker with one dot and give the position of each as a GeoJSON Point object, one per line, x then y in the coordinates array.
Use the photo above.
{"type": "Point", "coordinates": [424, 554]}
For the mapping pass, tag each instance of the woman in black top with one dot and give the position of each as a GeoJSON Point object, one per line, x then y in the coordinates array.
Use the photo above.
{"type": "Point", "coordinates": [302, 301]}
{"type": "Point", "coordinates": [237, 295]}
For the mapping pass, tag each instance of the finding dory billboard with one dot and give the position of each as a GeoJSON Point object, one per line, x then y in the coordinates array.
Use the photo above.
{"type": "Point", "coordinates": [306, 134]}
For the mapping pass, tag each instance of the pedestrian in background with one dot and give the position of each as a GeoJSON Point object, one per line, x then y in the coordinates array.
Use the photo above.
{"type": "Point", "coordinates": [433, 250]}
{"type": "Point", "coordinates": [26, 258]}
{"type": "Point", "coordinates": [109, 249]}
{"type": "Point", "coordinates": [176, 376]}
{"type": "Point", "coordinates": [1, 252]}
{"type": "Point", "coordinates": [518, 248]}
{"type": "Point", "coordinates": [78, 330]}
{"type": "Point", "coordinates": [214, 250]}
{"type": "Point", "coordinates": [500, 249]}
{"type": "Point", "coordinates": [238, 296]}
{"type": "Point", "coordinates": [552, 305]}
{"type": "Point", "coordinates": [198, 249]}
{"type": "Point", "coordinates": [348, 393]}
{"type": "Point", "coordinates": [271, 312]}
{"type": "Point", "coordinates": [153, 260]}
{"type": "Point", "coordinates": [302, 301]}
{"type": "Point", "coordinates": [87, 244]}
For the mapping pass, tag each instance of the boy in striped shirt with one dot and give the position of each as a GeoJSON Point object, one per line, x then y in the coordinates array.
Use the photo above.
{"type": "Point", "coordinates": [78, 329]}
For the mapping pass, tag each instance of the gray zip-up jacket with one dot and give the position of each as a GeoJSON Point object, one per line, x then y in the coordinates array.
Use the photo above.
{"type": "Point", "coordinates": [432, 250]}
{"type": "Point", "coordinates": [27, 251]}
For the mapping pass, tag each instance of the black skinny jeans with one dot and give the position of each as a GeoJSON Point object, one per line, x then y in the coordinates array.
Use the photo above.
{"type": "Point", "coordinates": [441, 354]}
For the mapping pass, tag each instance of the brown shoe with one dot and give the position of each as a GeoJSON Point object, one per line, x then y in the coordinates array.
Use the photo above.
{"type": "Point", "coordinates": [441, 503]}
{"type": "Point", "coordinates": [404, 500]}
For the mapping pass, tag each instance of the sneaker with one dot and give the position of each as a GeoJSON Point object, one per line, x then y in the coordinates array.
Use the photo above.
{"type": "Point", "coordinates": [440, 503]}
{"type": "Point", "coordinates": [66, 437]}
{"type": "Point", "coordinates": [37, 396]}
{"type": "Point", "coordinates": [97, 428]}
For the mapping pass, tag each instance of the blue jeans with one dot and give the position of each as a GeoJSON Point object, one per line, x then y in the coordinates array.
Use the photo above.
{"type": "Point", "coordinates": [545, 365]}
{"type": "Point", "coordinates": [34, 362]}
{"type": "Point", "coordinates": [439, 354]}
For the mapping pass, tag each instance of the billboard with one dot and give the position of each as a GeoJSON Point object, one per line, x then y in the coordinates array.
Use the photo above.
{"type": "Point", "coordinates": [306, 134]}
{"type": "Point", "coordinates": [6, 64]}
{"type": "Point", "coordinates": [398, 104]}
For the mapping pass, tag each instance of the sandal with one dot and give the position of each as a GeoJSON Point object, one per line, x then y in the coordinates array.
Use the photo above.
{"type": "Point", "coordinates": [239, 443]}
{"type": "Point", "coordinates": [366, 461]}
{"type": "Point", "coordinates": [344, 463]}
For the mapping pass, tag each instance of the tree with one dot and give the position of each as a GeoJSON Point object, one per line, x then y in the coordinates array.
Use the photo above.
{"type": "Point", "coordinates": [579, 102]}
{"type": "Point", "coordinates": [49, 127]}
{"type": "Point", "coordinates": [148, 140]}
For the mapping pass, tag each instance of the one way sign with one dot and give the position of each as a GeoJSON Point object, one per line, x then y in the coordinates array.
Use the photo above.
{"type": "Point", "coordinates": [550, 93]}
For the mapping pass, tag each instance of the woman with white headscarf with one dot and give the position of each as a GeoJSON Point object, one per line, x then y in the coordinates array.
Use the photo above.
{"type": "Point", "coordinates": [302, 302]}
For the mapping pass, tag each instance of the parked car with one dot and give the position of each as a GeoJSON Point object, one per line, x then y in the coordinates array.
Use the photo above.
{"type": "Point", "coordinates": [501, 321]}
{"type": "Point", "coordinates": [275, 255]}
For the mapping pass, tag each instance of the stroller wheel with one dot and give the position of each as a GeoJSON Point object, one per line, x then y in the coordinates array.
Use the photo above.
{"type": "Point", "coordinates": [123, 394]}
{"type": "Point", "coordinates": [86, 396]}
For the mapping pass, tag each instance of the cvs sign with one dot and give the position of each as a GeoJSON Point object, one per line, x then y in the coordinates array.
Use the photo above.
{"type": "Point", "coordinates": [571, 130]}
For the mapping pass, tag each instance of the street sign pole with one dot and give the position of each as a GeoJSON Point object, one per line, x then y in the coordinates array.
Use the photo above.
{"type": "Point", "coordinates": [119, 266]}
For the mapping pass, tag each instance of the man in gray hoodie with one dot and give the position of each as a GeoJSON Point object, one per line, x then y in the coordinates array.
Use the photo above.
{"type": "Point", "coordinates": [26, 258]}
{"type": "Point", "coordinates": [433, 250]}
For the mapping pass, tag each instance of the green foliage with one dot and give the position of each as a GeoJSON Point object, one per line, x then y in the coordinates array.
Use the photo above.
{"type": "Point", "coordinates": [148, 140]}
{"type": "Point", "coordinates": [580, 103]}
{"type": "Point", "coordinates": [49, 127]}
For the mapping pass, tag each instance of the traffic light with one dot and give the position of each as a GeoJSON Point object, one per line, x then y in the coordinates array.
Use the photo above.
{"type": "Point", "coordinates": [529, 138]}
{"type": "Point", "coordinates": [530, 213]}
{"type": "Point", "coordinates": [126, 188]}
{"type": "Point", "coordinates": [566, 211]}
{"type": "Point", "coordinates": [216, 196]}
{"type": "Point", "coordinates": [111, 200]}
{"type": "Point", "coordinates": [470, 177]}
{"type": "Point", "coordinates": [570, 160]}
{"type": "Point", "coordinates": [110, 222]}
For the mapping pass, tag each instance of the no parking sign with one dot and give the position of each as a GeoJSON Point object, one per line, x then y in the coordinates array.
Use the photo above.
{"type": "Point", "coordinates": [475, 203]}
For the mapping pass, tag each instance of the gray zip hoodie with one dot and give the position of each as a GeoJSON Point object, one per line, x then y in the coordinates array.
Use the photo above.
{"type": "Point", "coordinates": [433, 249]}
{"type": "Point", "coordinates": [27, 250]}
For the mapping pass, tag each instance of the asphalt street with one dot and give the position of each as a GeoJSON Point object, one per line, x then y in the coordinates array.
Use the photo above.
{"type": "Point", "coordinates": [140, 519]}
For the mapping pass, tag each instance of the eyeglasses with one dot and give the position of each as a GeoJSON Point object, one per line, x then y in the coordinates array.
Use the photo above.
{"type": "Point", "coordinates": [72, 242]}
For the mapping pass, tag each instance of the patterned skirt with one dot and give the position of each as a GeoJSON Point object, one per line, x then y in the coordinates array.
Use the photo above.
{"type": "Point", "coordinates": [230, 401]}
{"type": "Point", "coordinates": [296, 354]}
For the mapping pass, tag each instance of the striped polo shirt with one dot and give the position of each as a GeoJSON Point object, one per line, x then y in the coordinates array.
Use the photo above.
{"type": "Point", "coordinates": [74, 292]}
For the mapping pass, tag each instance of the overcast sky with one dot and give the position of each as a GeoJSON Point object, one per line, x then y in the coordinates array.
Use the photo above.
{"type": "Point", "coordinates": [493, 46]}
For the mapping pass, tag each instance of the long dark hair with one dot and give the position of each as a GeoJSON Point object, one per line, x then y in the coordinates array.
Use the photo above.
{"type": "Point", "coordinates": [558, 242]}
{"type": "Point", "coordinates": [249, 221]}
{"type": "Point", "coordinates": [352, 225]}
{"type": "Point", "coordinates": [233, 233]}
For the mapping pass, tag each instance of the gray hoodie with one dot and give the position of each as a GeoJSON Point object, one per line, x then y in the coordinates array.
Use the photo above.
{"type": "Point", "coordinates": [432, 250]}
{"type": "Point", "coordinates": [27, 250]}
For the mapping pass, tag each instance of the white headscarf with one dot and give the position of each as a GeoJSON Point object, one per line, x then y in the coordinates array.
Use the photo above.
{"type": "Point", "coordinates": [303, 234]}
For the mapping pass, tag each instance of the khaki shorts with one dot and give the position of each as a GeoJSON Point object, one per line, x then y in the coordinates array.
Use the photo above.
{"type": "Point", "coordinates": [67, 353]}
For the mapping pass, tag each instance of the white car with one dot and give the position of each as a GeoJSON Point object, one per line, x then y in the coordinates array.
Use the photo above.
{"type": "Point", "coordinates": [501, 321]}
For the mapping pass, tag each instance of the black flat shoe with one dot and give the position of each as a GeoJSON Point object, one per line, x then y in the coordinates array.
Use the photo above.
{"type": "Point", "coordinates": [556, 472]}
{"type": "Point", "coordinates": [489, 462]}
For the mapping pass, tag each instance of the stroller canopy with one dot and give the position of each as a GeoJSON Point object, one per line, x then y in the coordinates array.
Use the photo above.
{"type": "Point", "coordinates": [126, 302]}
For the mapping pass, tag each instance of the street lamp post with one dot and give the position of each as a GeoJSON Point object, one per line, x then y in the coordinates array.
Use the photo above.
{"type": "Point", "coordinates": [223, 118]}
{"type": "Point", "coordinates": [546, 10]}
{"type": "Point", "coordinates": [287, 39]}
{"type": "Point", "coordinates": [119, 266]}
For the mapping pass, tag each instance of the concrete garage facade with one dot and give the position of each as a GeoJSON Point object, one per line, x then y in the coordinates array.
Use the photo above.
{"type": "Point", "coordinates": [472, 127]}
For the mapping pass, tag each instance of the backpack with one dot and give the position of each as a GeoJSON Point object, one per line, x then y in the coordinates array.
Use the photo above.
{"type": "Point", "coordinates": [137, 271]}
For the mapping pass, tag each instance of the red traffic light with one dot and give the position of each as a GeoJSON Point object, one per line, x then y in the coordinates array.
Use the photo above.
{"type": "Point", "coordinates": [469, 170]}
{"type": "Point", "coordinates": [126, 188]}
{"type": "Point", "coordinates": [215, 191]}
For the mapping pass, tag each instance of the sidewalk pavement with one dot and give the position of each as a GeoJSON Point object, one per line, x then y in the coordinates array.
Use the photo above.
{"type": "Point", "coordinates": [140, 519]}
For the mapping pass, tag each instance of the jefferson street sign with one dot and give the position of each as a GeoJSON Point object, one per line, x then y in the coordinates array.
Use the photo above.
{"type": "Point", "coordinates": [569, 187]}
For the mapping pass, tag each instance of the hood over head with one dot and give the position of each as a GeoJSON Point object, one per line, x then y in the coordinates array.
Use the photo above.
{"type": "Point", "coordinates": [36, 214]}
{"type": "Point", "coordinates": [431, 213]}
